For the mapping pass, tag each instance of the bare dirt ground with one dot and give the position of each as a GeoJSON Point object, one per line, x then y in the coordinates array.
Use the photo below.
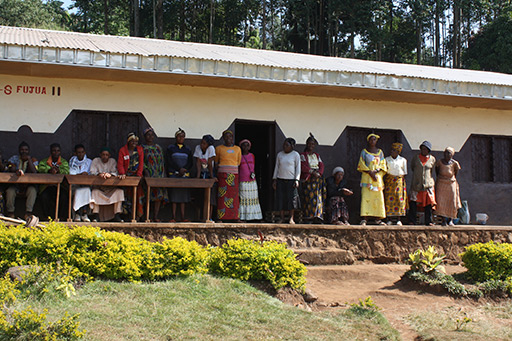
{"type": "Point", "coordinates": [341, 285]}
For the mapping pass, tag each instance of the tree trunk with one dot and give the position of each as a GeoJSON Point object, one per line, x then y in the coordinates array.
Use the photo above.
{"type": "Point", "coordinates": [437, 34]}
{"type": "Point", "coordinates": [136, 18]}
{"type": "Point", "coordinates": [321, 29]}
{"type": "Point", "coordinates": [391, 39]}
{"type": "Point", "coordinates": [352, 45]}
{"type": "Point", "coordinates": [210, 38]}
{"type": "Point", "coordinates": [418, 41]}
{"type": "Point", "coordinates": [456, 35]}
{"type": "Point", "coordinates": [182, 21]}
{"type": "Point", "coordinates": [106, 14]}
{"type": "Point", "coordinates": [264, 24]}
{"type": "Point", "coordinates": [160, 19]}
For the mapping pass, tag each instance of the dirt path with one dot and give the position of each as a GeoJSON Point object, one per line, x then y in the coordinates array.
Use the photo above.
{"type": "Point", "coordinates": [340, 284]}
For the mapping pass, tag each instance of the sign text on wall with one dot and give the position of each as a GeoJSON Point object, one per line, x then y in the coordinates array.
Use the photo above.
{"type": "Point", "coordinates": [9, 89]}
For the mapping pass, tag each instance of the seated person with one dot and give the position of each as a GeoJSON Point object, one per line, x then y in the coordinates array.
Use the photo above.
{"type": "Point", "coordinates": [106, 201]}
{"type": "Point", "coordinates": [130, 162]}
{"type": "Point", "coordinates": [336, 192]}
{"type": "Point", "coordinates": [80, 164]}
{"type": "Point", "coordinates": [20, 164]}
{"type": "Point", "coordinates": [54, 164]}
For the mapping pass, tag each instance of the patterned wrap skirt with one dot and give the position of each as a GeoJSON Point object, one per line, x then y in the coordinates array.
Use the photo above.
{"type": "Point", "coordinates": [249, 201]}
{"type": "Point", "coordinates": [228, 201]}
{"type": "Point", "coordinates": [338, 210]}
{"type": "Point", "coordinates": [314, 194]}
{"type": "Point", "coordinates": [395, 196]}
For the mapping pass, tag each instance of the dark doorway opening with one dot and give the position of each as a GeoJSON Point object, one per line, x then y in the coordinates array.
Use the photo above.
{"type": "Point", "coordinates": [97, 129]}
{"type": "Point", "coordinates": [262, 135]}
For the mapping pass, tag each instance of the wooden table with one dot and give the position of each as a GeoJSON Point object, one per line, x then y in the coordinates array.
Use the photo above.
{"type": "Point", "coordinates": [35, 179]}
{"type": "Point", "coordinates": [114, 181]}
{"type": "Point", "coordinates": [207, 184]}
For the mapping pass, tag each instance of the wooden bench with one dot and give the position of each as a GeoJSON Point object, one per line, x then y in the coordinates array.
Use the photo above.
{"type": "Point", "coordinates": [35, 179]}
{"type": "Point", "coordinates": [207, 184]}
{"type": "Point", "coordinates": [95, 180]}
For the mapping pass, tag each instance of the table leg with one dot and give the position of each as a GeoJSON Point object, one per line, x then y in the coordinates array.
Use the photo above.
{"type": "Point", "coordinates": [134, 204]}
{"type": "Point", "coordinates": [69, 204]}
{"type": "Point", "coordinates": [57, 203]}
{"type": "Point", "coordinates": [147, 204]}
{"type": "Point", "coordinates": [206, 212]}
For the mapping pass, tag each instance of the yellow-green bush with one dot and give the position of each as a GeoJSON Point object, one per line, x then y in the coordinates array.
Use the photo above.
{"type": "Point", "coordinates": [488, 261]}
{"type": "Point", "coordinates": [175, 256]}
{"type": "Point", "coordinates": [251, 260]}
{"type": "Point", "coordinates": [91, 252]}
{"type": "Point", "coordinates": [26, 324]}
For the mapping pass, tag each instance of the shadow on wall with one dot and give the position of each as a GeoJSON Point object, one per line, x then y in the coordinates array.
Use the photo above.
{"type": "Point", "coordinates": [487, 190]}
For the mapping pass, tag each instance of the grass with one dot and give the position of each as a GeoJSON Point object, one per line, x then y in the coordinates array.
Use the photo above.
{"type": "Point", "coordinates": [488, 322]}
{"type": "Point", "coordinates": [203, 307]}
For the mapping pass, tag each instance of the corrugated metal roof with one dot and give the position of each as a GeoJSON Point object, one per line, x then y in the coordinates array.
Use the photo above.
{"type": "Point", "coordinates": [286, 60]}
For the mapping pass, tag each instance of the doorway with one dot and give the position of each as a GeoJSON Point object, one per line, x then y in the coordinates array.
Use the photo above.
{"type": "Point", "coordinates": [262, 135]}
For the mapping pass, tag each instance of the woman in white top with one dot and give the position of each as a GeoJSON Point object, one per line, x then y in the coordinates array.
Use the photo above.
{"type": "Point", "coordinates": [286, 179]}
{"type": "Point", "coordinates": [80, 164]}
{"type": "Point", "coordinates": [204, 156]}
{"type": "Point", "coordinates": [395, 192]}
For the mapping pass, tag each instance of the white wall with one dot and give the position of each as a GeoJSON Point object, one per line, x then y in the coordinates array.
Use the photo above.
{"type": "Point", "coordinates": [208, 110]}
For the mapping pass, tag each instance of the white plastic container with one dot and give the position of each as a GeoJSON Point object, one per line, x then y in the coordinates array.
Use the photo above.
{"type": "Point", "coordinates": [481, 218]}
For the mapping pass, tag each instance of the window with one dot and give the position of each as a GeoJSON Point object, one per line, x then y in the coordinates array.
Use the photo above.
{"type": "Point", "coordinates": [492, 158]}
{"type": "Point", "coordinates": [97, 129]}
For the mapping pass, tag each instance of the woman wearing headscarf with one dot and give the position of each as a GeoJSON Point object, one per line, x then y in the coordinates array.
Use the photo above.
{"type": "Point", "coordinates": [179, 163]}
{"type": "Point", "coordinates": [422, 192]}
{"type": "Point", "coordinates": [249, 200]}
{"type": "Point", "coordinates": [447, 187]}
{"type": "Point", "coordinates": [154, 161]}
{"type": "Point", "coordinates": [130, 162]}
{"type": "Point", "coordinates": [312, 181]}
{"type": "Point", "coordinates": [372, 166]}
{"type": "Point", "coordinates": [204, 156]}
{"type": "Point", "coordinates": [395, 191]}
{"type": "Point", "coordinates": [227, 160]}
{"type": "Point", "coordinates": [106, 201]}
{"type": "Point", "coordinates": [336, 193]}
{"type": "Point", "coordinates": [286, 179]}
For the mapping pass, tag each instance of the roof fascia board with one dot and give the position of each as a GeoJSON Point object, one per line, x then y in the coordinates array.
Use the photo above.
{"type": "Point", "coordinates": [173, 66]}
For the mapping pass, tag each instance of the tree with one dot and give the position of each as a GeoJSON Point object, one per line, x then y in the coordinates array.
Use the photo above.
{"type": "Point", "coordinates": [34, 13]}
{"type": "Point", "coordinates": [490, 49]}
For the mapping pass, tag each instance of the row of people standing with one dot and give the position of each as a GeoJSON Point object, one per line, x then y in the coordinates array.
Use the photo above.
{"type": "Point", "coordinates": [383, 187]}
{"type": "Point", "coordinates": [300, 185]}
{"type": "Point", "coordinates": [236, 192]}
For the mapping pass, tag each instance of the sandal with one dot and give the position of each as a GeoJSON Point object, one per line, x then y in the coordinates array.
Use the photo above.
{"type": "Point", "coordinates": [363, 222]}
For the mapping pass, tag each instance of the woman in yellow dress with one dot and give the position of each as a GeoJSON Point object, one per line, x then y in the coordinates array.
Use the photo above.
{"type": "Point", "coordinates": [372, 165]}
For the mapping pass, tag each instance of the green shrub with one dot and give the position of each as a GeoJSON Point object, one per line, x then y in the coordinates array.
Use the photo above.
{"type": "Point", "coordinates": [488, 261]}
{"type": "Point", "coordinates": [446, 281]}
{"type": "Point", "coordinates": [90, 252]}
{"type": "Point", "coordinates": [175, 256]}
{"type": "Point", "coordinates": [251, 260]}
{"type": "Point", "coordinates": [426, 260]}
{"type": "Point", "coordinates": [364, 307]}
{"type": "Point", "coordinates": [27, 324]}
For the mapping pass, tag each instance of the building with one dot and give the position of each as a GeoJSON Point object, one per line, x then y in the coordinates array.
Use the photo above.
{"type": "Point", "coordinates": [92, 89]}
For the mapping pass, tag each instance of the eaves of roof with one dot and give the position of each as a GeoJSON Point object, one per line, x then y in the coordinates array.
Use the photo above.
{"type": "Point", "coordinates": [233, 64]}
